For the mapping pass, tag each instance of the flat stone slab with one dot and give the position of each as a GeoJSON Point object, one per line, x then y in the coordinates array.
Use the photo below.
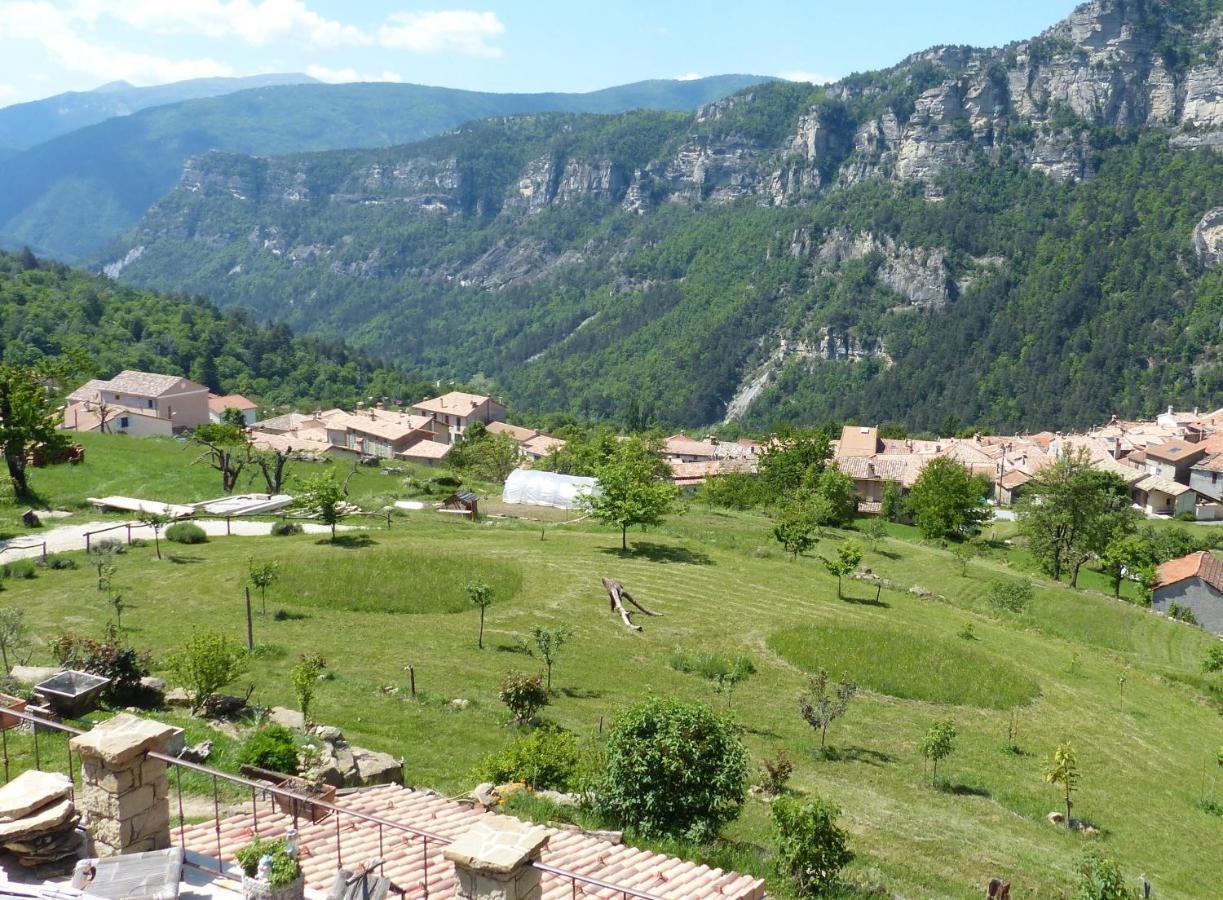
{"type": "Point", "coordinates": [287, 718]}
{"type": "Point", "coordinates": [122, 738]}
{"type": "Point", "coordinates": [32, 675]}
{"type": "Point", "coordinates": [497, 845]}
{"type": "Point", "coordinates": [31, 791]}
{"type": "Point", "coordinates": [46, 819]}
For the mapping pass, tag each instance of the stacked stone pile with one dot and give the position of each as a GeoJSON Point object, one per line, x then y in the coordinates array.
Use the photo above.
{"type": "Point", "coordinates": [38, 819]}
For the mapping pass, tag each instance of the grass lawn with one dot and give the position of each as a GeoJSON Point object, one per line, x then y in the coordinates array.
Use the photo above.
{"type": "Point", "coordinates": [722, 584]}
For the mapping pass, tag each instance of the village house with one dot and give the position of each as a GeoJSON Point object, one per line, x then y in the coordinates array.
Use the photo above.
{"type": "Point", "coordinates": [457, 410]}
{"type": "Point", "coordinates": [138, 403]}
{"type": "Point", "coordinates": [1171, 460]}
{"type": "Point", "coordinates": [384, 434]}
{"type": "Point", "coordinates": [532, 444]}
{"type": "Point", "coordinates": [218, 404]}
{"type": "Point", "coordinates": [1194, 582]}
{"type": "Point", "coordinates": [1206, 480]}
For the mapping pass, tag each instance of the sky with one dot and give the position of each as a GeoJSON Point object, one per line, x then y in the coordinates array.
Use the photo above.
{"type": "Point", "coordinates": [51, 46]}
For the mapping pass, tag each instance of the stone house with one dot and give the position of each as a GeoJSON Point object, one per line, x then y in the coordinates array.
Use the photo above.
{"type": "Point", "coordinates": [457, 410]}
{"type": "Point", "coordinates": [1171, 460]}
{"type": "Point", "coordinates": [383, 434]}
{"type": "Point", "coordinates": [218, 404]}
{"type": "Point", "coordinates": [178, 404]}
{"type": "Point", "coordinates": [1194, 582]}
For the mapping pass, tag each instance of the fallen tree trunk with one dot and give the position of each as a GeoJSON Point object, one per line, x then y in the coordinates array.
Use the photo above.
{"type": "Point", "coordinates": [616, 595]}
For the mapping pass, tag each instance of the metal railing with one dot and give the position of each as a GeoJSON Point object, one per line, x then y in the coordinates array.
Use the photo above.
{"type": "Point", "coordinates": [299, 804]}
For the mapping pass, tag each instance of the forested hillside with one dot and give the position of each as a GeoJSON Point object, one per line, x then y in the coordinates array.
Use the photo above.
{"type": "Point", "coordinates": [96, 328]}
{"type": "Point", "coordinates": [68, 196]}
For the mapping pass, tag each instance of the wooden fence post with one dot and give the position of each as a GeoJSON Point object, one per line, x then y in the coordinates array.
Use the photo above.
{"type": "Point", "coordinates": [250, 627]}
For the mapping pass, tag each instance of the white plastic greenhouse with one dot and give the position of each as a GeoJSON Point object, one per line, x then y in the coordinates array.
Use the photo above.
{"type": "Point", "coordinates": [535, 488]}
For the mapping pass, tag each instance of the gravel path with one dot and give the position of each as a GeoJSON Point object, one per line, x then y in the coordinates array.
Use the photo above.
{"type": "Point", "coordinates": [66, 538]}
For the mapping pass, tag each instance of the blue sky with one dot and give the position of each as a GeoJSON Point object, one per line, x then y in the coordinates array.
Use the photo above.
{"type": "Point", "coordinates": [48, 46]}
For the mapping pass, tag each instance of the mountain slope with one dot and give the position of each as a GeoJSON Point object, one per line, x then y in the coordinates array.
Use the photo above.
{"type": "Point", "coordinates": [48, 311]}
{"type": "Point", "coordinates": [68, 196]}
{"type": "Point", "coordinates": [22, 125]}
{"type": "Point", "coordinates": [1016, 237]}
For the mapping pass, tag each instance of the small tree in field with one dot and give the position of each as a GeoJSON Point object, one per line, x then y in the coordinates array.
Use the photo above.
{"type": "Point", "coordinates": [157, 521]}
{"type": "Point", "coordinates": [849, 555]}
{"type": "Point", "coordinates": [632, 491]}
{"type": "Point", "coordinates": [12, 633]}
{"type": "Point", "coordinates": [263, 576]}
{"type": "Point", "coordinates": [874, 531]}
{"type": "Point", "coordinates": [205, 664]}
{"type": "Point", "coordinates": [811, 848]}
{"type": "Point", "coordinates": [820, 708]}
{"type": "Point", "coordinates": [964, 553]}
{"type": "Point", "coordinates": [524, 695]}
{"type": "Point", "coordinates": [305, 675]}
{"type": "Point", "coordinates": [325, 495]}
{"type": "Point", "coordinates": [1063, 771]}
{"type": "Point", "coordinates": [481, 596]}
{"type": "Point", "coordinates": [938, 743]}
{"type": "Point", "coordinates": [795, 530]}
{"type": "Point", "coordinates": [548, 641]}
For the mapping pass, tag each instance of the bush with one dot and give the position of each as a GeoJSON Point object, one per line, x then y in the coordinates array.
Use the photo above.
{"type": "Point", "coordinates": [282, 529]}
{"type": "Point", "coordinates": [776, 773]}
{"type": "Point", "coordinates": [57, 562]}
{"type": "Point", "coordinates": [1213, 660]}
{"type": "Point", "coordinates": [673, 768]}
{"type": "Point", "coordinates": [545, 759]}
{"type": "Point", "coordinates": [109, 658]}
{"type": "Point", "coordinates": [1009, 595]}
{"type": "Point", "coordinates": [20, 568]}
{"type": "Point", "coordinates": [711, 664]}
{"type": "Point", "coordinates": [186, 533]}
{"type": "Point", "coordinates": [525, 695]}
{"type": "Point", "coordinates": [811, 848]}
{"type": "Point", "coordinates": [1181, 613]}
{"type": "Point", "coordinates": [1100, 878]}
{"type": "Point", "coordinates": [270, 748]}
{"type": "Point", "coordinates": [205, 664]}
{"type": "Point", "coordinates": [284, 867]}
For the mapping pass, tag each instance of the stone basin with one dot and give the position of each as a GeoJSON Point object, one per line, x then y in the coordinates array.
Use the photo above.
{"type": "Point", "coordinates": [72, 694]}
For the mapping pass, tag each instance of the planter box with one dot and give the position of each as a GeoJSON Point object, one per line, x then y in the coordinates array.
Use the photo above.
{"type": "Point", "coordinates": [258, 889]}
{"type": "Point", "coordinates": [72, 694]}
{"type": "Point", "coordinates": [8, 701]}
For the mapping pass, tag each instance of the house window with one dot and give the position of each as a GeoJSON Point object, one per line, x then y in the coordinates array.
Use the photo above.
{"type": "Point", "coordinates": [149, 402]}
{"type": "Point", "coordinates": [123, 422]}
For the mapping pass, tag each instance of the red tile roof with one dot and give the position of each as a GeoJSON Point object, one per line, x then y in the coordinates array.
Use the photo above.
{"type": "Point", "coordinates": [1175, 451]}
{"type": "Point", "coordinates": [405, 856]}
{"type": "Point", "coordinates": [1203, 565]}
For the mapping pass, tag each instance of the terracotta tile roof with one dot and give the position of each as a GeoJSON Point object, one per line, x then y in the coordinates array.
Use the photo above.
{"type": "Point", "coordinates": [218, 404]}
{"type": "Point", "coordinates": [150, 384]}
{"type": "Point", "coordinates": [392, 427]}
{"type": "Point", "coordinates": [1213, 463]}
{"type": "Point", "coordinates": [294, 442]}
{"type": "Point", "coordinates": [456, 403]}
{"type": "Point", "coordinates": [858, 441]}
{"type": "Point", "coordinates": [88, 392]}
{"type": "Point", "coordinates": [682, 445]}
{"type": "Point", "coordinates": [1203, 565]}
{"type": "Point", "coordinates": [1013, 479]}
{"type": "Point", "coordinates": [517, 432]}
{"type": "Point", "coordinates": [404, 853]}
{"type": "Point", "coordinates": [1166, 485]}
{"type": "Point", "coordinates": [542, 444]}
{"type": "Point", "coordinates": [900, 467]}
{"type": "Point", "coordinates": [425, 449]}
{"type": "Point", "coordinates": [1175, 451]}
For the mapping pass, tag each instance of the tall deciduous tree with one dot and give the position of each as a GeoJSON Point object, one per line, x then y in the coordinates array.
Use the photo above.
{"type": "Point", "coordinates": [225, 449]}
{"type": "Point", "coordinates": [1071, 512]}
{"type": "Point", "coordinates": [947, 500]}
{"type": "Point", "coordinates": [632, 491]}
{"type": "Point", "coordinates": [26, 420]}
{"type": "Point", "coordinates": [796, 461]}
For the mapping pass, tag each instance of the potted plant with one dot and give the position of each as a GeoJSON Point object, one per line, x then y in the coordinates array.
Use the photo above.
{"type": "Point", "coordinates": [270, 871]}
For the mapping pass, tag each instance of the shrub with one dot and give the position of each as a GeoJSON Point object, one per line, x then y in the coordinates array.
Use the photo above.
{"type": "Point", "coordinates": [1009, 595]}
{"type": "Point", "coordinates": [545, 759]}
{"type": "Point", "coordinates": [205, 664]}
{"type": "Point", "coordinates": [270, 748]}
{"type": "Point", "coordinates": [305, 676]}
{"type": "Point", "coordinates": [776, 773]}
{"type": "Point", "coordinates": [1100, 878]}
{"type": "Point", "coordinates": [109, 658]}
{"type": "Point", "coordinates": [284, 869]}
{"type": "Point", "coordinates": [811, 848]}
{"type": "Point", "coordinates": [1213, 660]}
{"type": "Point", "coordinates": [673, 768]}
{"type": "Point", "coordinates": [20, 568]}
{"type": "Point", "coordinates": [525, 695]}
{"type": "Point", "coordinates": [1181, 613]}
{"type": "Point", "coordinates": [282, 529]}
{"type": "Point", "coordinates": [186, 533]}
{"type": "Point", "coordinates": [108, 547]}
{"type": "Point", "coordinates": [58, 562]}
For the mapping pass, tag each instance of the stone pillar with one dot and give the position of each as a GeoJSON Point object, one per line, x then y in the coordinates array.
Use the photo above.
{"type": "Point", "coordinates": [126, 794]}
{"type": "Point", "coordinates": [493, 859]}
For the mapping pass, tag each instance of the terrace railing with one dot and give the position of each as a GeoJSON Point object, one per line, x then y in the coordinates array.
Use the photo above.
{"type": "Point", "coordinates": [299, 805]}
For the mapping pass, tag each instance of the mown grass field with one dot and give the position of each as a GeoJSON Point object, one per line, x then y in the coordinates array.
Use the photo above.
{"type": "Point", "coordinates": [722, 584]}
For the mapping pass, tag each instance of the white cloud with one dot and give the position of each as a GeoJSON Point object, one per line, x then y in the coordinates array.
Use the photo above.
{"type": "Point", "coordinates": [344, 76]}
{"type": "Point", "coordinates": [689, 76]}
{"type": "Point", "coordinates": [8, 93]}
{"type": "Point", "coordinates": [41, 23]}
{"type": "Point", "coordinates": [451, 30]}
{"type": "Point", "coordinates": [813, 77]}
